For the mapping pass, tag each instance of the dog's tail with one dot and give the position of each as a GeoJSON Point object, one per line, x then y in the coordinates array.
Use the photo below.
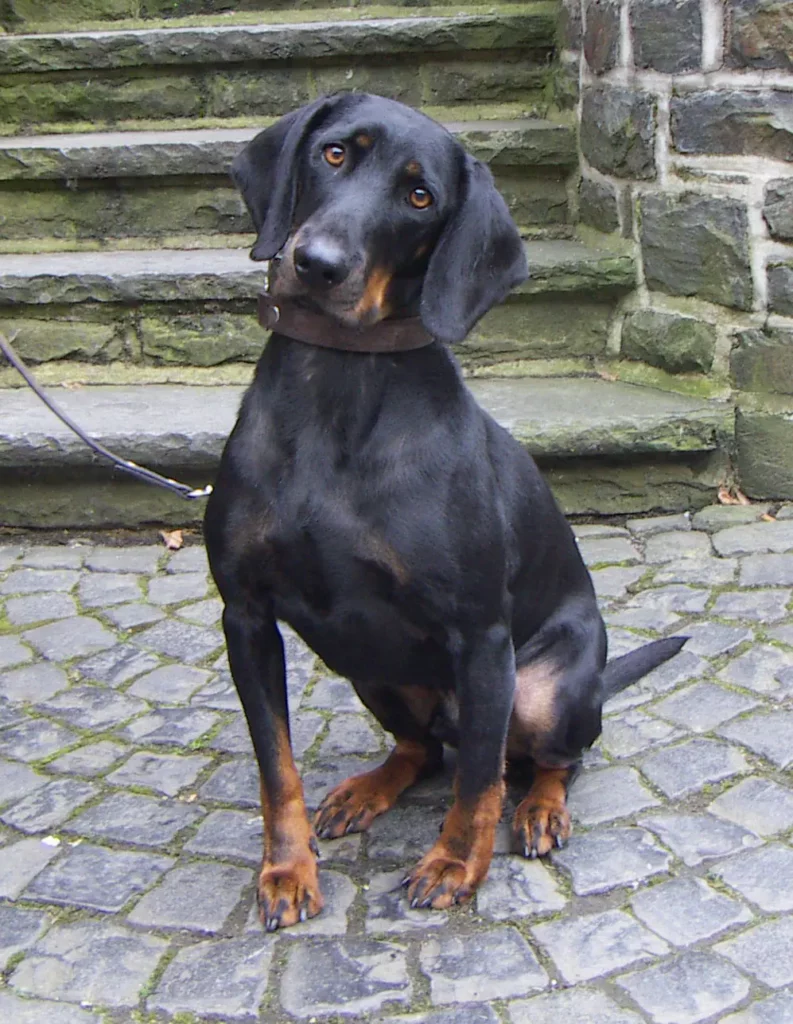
{"type": "Point", "coordinates": [632, 666]}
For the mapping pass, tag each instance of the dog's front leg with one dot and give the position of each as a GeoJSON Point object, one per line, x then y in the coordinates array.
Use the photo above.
{"type": "Point", "coordinates": [288, 889]}
{"type": "Point", "coordinates": [458, 862]}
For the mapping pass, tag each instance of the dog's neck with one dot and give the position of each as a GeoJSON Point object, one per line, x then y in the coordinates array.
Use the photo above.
{"type": "Point", "coordinates": [387, 336]}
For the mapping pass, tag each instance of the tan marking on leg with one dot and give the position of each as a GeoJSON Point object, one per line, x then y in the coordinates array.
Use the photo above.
{"type": "Point", "coordinates": [542, 820]}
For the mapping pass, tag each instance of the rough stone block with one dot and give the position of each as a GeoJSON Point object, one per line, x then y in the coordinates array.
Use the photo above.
{"type": "Point", "coordinates": [667, 35]}
{"type": "Point", "coordinates": [618, 131]}
{"type": "Point", "coordinates": [759, 34]}
{"type": "Point", "coordinates": [201, 340]}
{"type": "Point", "coordinates": [780, 288]}
{"type": "Point", "coordinates": [575, 1004]}
{"type": "Point", "coordinates": [602, 860]}
{"type": "Point", "coordinates": [764, 951]}
{"type": "Point", "coordinates": [678, 344]}
{"type": "Point", "coordinates": [41, 341]}
{"type": "Point", "coordinates": [568, 26]}
{"type": "Point", "coordinates": [697, 245]}
{"type": "Point", "coordinates": [699, 837]}
{"type": "Point", "coordinates": [763, 361]}
{"type": "Point", "coordinates": [687, 910]}
{"type": "Point", "coordinates": [778, 208]}
{"type": "Point", "coordinates": [764, 439]}
{"type": "Point", "coordinates": [602, 35]}
{"type": "Point", "coordinates": [734, 122]}
{"type": "Point", "coordinates": [197, 896]}
{"type": "Point", "coordinates": [761, 805]}
{"type": "Point", "coordinates": [482, 966]}
{"type": "Point", "coordinates": [597, 205]}
{"type": "Point", "coordinates": [686, 990]}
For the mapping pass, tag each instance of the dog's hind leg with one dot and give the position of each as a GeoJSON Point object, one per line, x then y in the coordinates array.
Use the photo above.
{"type": "Point", "coordinates": [354, 804]}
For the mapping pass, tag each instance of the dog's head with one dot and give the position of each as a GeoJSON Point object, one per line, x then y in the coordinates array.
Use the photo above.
{"type": "Point", "coordinates": [372, 210]}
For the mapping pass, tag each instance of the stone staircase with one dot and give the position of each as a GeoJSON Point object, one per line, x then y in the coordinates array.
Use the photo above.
{"type": "Point", "coordinates": [123, 246]}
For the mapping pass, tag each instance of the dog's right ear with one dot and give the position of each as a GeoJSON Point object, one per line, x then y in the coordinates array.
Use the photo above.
{"type": "Point", "coordinates": [265, 172]}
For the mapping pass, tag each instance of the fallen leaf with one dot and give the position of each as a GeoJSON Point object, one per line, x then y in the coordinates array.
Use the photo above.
{"type": "Point", "coordinates": [768, 518]}
{"type": "Point", "coordinates": [725, 498]}
{"type": "Point", "coordinates": [173, 539]}
{"type": "Point", "coordinates": [742, 499]}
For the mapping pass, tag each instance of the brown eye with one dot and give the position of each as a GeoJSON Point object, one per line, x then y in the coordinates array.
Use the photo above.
{"type": "Point", "coordinates": [334, 154]}
{"type": "Point", "coordinates": [420, 198]}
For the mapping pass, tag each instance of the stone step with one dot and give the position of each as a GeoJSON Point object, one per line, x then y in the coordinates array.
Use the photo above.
{"type": "Point", "coordinates": [60, 15]}
{"type": "Point", "coordinates": [167, 188]}
{"type": "Point", "coordinates": [606, 446]}
{"type": "Point", "coordinates": [444, 58]}
{"type": "Point", "coordinates": [195, 308]}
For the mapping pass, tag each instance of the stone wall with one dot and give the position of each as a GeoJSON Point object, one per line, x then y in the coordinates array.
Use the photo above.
{"type": "Point", "coordinates": [686, 143]}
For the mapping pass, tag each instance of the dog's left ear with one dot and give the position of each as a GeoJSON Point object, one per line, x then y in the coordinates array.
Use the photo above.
{"type": "Point", "coordinates": [478, 259]}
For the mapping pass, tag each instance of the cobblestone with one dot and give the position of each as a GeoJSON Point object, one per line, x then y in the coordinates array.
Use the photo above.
{"type": "Point", "coordinates": [129, 801]}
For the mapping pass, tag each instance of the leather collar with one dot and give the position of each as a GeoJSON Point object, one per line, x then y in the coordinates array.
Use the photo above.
{"type": "Point", "coordinates": [285, 317]}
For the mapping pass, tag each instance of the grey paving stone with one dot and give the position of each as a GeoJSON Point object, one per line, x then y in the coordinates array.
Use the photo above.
{"type": "Point", "coordinates": [236, 782]}
{"type": "Point", "coordinates": [752, 606]}
{"type": "Point", "coordinates": [19, 928]}
{"type": "Point", "coordinates": [35, 739]}
{"type": "Point", "coordinates": [234, 738]}
{"type": "Point", "coordinates": [13, 652]}
{"type": "Point", "coordinates": [103, 589]}
{"type": "Point", "coordinates": [648, 619]}
{"type": "Point", "coordinates": [784, 634]}
{"type": "Point", "coordinates": [70, 638]}
{"type": "Point", "coordinates": [687, 767]}
{"type": "Point", "coordinates": [339, 892]}
{"type": "Point", "coordinates": [203, 613]}
{"type": "Point", "coordinates": [170, 684]}
{"type": "Point", "coordinates": [759, 670]}
{"type": "Point", "coordinates": [633, 731]}
{"type": "Point", "coordinates": [11, 714]}
{"type": "Point", "coordinates": [9, 555]}
{"type": "Point", "coordinates": [349, 977]}
{"type": "Point", "coordinates": [170, 726]}
{"type": "Point", "coordinates": [183, 586]}
{"type": "Point", "coordinates": [695, 838]}
{"type": "Point", "coordinates": [220, 694]}
{"type": "Point", "coordinates": [234, 834]}
{"type": "Point", "coordinates": [703, 706]}
{"type": "Point", "coordinates": [711, 572]}
{"type": "Point", "coordinates": [197, 896]}
{"type": "Point", "coordinates": [760, 805]}
{"type": "Point", "coordinates": [349, 734]}
{"type": "Point", "coordinates": [777, 1009]}
{"type": "Point", "coordinates": [136, 819]}
{"type": "Point", "coordinates": [332, 693]}
{"type": "Point", "coordinates": [764, 876]}
{"type": "Point", "coordinates": [602, 860]}
{"type": "Point", "coordinates": [569, 1006]}
{"type": "Point", "coordinates": [474, 968]}
{"type": "Point", "coordinates": [167, 773]}
{"type": "Point", "coordinates": [181, 640]}
{"type": "Point", "coordinates": [686, 990]}
{"type": "Point", "coordinates": [517, 888]}
{"type": "Point", "coordinates": [189, 559]}
{"type": "Point", "coordinates": [91, 760]}
{"type": "Point", "coordinates": [615, 580]}
{"type": "Point", "coordinates": [93, 707]}
{"type": "Point", "coordinates": [404, 833]}
{"type": "Point", "coordinates": [40, 1011]}
{"type": "Point", "coordinates": [96, 878]}
{"type": "Point", "coordinates": [94, 963]}
{"type": "Point", "coordinates": [584, 530]}
{"type": "Point", "coordinates": [318, 781]}
{"type": "Point", "coordinates": [38, 581]}
{"type": "Point", "coordinates": [20, 863]}
{"type": "Point", "coordinates": [388, 912]}
{"type": "Point", "coordinates": [764, 951]}
{"type": "Point", "coordinates": [595, 944]}
{"type": "Point", "coordinates": [670, 547]}
{"type": "Point", "coordinates": [651, 525]}
{"type": "Point", "coordinates": [611, 793]}
{"type": "Point", "coordinates": [721, 517]}
{"type": "Point", "coordinates": [471, 1013]}
{"type": "Point", "coordinates": [683, 668]}
{"type": "Point", "coordinates": [24, 611]}
{"type": "Point", "coordinates": [118, 664]}
{"type": "Point", "coordinates": [768, 734]}
{"type": "Point", "coordinates": [55, 557]}
{"type": "Point", "coordinates": [755, 538]}
{"type": "Point", "coordinates": [17, 780]}
{"type": "Point", "coordinates": [226, 977]}
{"type": "Point", "coordinates": [686, 910]}
{"type": "Point", "coordinates": [127, 616]}
{"type": "Point", "coordinates": [49, 806]}
{"type": "Point", "coordinates": [126, 559]}
{"type": "Point", "coordinates": [766, 571]}
{"type": "Point", "coordinates": [32, 683]}
{"type": "Point", "coordinates": [609, 551]}
{"type": "Point", "coordinates": [711, 639]}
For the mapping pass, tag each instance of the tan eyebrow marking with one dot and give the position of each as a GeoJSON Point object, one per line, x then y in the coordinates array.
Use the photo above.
{"type": "Point", "coordinates": [414, 169]}
{"type": "Point", "coordinates": [363, 140]}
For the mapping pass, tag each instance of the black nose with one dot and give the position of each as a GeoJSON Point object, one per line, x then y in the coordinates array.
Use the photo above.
{"type": "Point", "coordinates": [320, 263]}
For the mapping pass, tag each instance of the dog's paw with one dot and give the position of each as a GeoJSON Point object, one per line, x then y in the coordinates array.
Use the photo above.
{"type": "Point", "coordinates": [439, 882]}
{"type": "Point", "coordinates": [351, 807]}
{"type": "Point", "coordinates": [288, 893]}
{"type": "Point", "coordinates": [539, 826]}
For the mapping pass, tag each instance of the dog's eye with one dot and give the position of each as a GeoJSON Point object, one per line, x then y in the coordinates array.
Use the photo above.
{"type": "Point", "coordinates": [420, 198]}
{"type": "Point", "coordinates": [334, 154]}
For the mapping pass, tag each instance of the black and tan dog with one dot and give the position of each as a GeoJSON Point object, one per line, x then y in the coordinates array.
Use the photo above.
{"type": "Point", "coordinates": [367, 500]}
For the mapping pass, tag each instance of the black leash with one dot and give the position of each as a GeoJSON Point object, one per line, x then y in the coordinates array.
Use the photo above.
{"type": "Point", "coordinates": [147, 475]}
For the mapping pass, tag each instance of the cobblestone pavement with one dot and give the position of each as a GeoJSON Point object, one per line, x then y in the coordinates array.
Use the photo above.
{"type": "Point", "coordinates": [129, 832]}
